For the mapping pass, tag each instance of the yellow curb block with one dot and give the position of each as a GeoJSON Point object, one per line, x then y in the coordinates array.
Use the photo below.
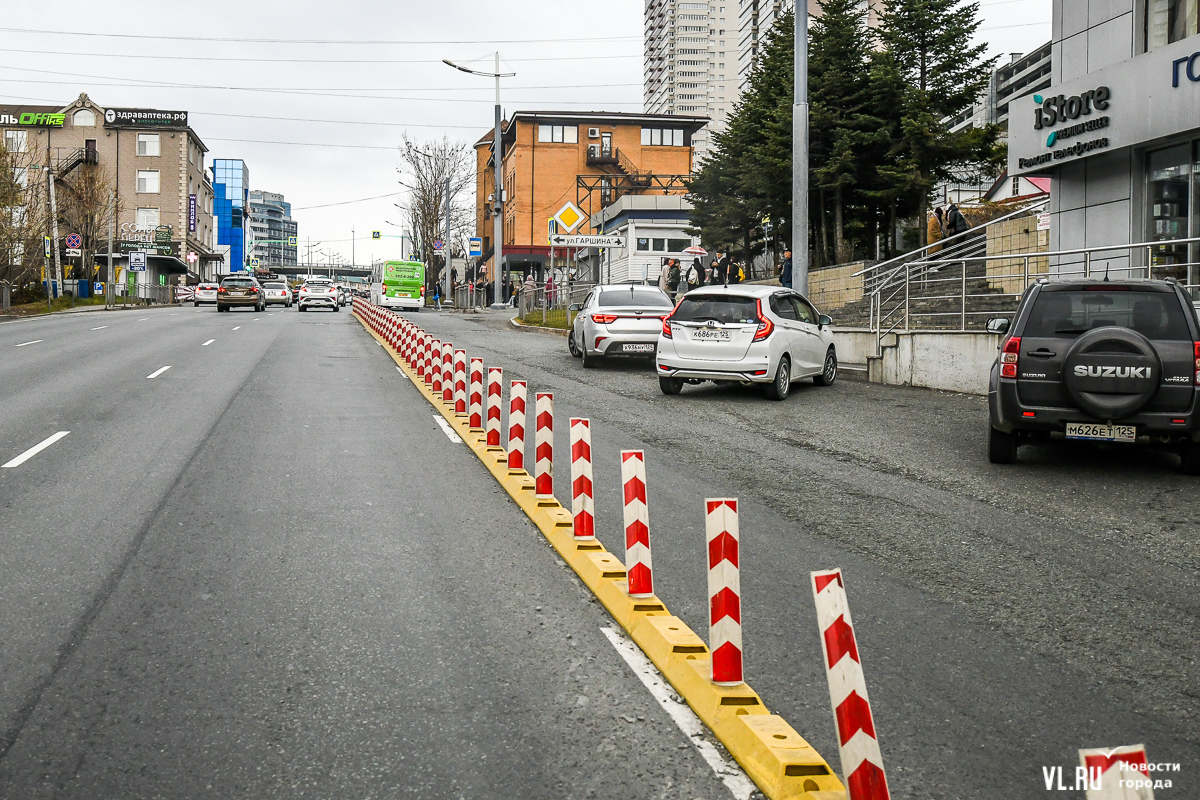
{"type": "Point", "coordinates": [773, 754]}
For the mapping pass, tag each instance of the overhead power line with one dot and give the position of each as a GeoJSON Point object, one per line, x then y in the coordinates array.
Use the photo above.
{"type": "Point", "coordinates": [309, 60]}
{"type": "Point", "coordinates": [320, 41]}
{"type": "Point", "coordinates": [347, 202]}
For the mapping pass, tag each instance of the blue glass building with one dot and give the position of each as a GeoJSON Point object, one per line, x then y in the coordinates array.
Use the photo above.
{"type": "Point", "coordinates": [231, 209]}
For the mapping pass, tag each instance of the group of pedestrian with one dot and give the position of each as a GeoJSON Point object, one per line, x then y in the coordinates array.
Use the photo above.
{"type": "Point", "coordinates": [944, 224]}
{"type": "Point", "coordinates": [678, 279]}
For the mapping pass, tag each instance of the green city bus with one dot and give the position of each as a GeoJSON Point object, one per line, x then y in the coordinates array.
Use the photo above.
{"type": "Point", "coordinates": [401, 284]}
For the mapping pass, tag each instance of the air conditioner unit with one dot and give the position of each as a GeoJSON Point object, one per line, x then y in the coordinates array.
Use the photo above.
{"type": "Point", "coordinates": [593, 133]}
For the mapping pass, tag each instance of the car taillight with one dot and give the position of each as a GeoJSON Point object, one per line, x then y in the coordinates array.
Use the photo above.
{"type": "Point", "coordinates": [422, 291]}
{"type": "Point", "coordinates": [604, 319]}
{"type": "Point", "coordinates": [765, 326]}
{"type": "Point", "coordinates": [1196, 354]}
{"type": "Point", "coordinates": [666, 331]}
{"type": "Point", "coordinates": [220, 290]}
{"type": "Point", "coordinates": [1008, 357]}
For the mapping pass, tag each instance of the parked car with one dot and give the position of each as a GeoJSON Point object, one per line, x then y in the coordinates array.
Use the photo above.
{"type": "Point", "coordinates": [750, 334]}
{"type": "Point", "coordinates": [277, 292]}
{"type": "Point", "coordinates": [1101, 361]}
{"type": "Point", "coordinates": [617, 320]}
{"type": "Point", "coordinates": [240, 290]}
{"type": "Point", "coordinates": [205, 293]}
{"type": "Point", "coordinates": [318, 293]}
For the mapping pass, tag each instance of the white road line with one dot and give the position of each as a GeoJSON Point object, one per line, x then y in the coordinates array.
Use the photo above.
{"type": "Point", "coordinates": [238, 328]}
{"type": "Point", "coordinates": [158, 372]}
{"type": "Point", "coordinates": [206, 344]}
{"type": "Point", "coordinates": [33, 451]}
{"type": "Point", "coordinates": [450, 434]}
{"type": "Point", "coordinates": [102, 327]}
{"type": "Point", "coordinates": [143, 319]}
{"type": "Point", "coordinates": [10, 322]}
{"type": "Point", "coordinates": [35, 341]}
{"type": "Point", "coordinates": [736, 781]}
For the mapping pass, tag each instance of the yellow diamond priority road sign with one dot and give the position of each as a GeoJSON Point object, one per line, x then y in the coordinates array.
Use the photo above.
{"type": "Point", "coordinates": [568, 217]}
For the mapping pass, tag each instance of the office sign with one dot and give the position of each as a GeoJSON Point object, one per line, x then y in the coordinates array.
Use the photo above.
{"type": "Point", "coordinates": [144, 118]}
{"type": "Point", "coordinates": [563, 240]}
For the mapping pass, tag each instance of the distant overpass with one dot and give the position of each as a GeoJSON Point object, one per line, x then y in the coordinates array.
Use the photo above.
{"type": "Point", "coordinates": [321, 269]}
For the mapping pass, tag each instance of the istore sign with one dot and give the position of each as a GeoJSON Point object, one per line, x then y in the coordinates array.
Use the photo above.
{"type": "Point", "coordinates": [144, 118]}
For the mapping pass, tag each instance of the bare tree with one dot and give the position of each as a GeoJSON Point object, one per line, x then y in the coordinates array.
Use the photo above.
{"type": "Point", "coordinates": [85, 205]}
{"type": "Point", "coordinates": [22, 221]}
{"type": "Point", "coordinates": [424, 170]}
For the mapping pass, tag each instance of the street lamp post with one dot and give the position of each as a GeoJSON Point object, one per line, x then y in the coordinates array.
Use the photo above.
{"type": "Point", "coordinates": [497, 162]}
{"type": "Point", "coordinates": [800, 154]}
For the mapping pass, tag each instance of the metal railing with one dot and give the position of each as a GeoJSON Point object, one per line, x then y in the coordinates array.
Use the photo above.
{"type": "Point", "coordinates": [549, 306]}
{"type": "Point", "coordinates": [959, 292]}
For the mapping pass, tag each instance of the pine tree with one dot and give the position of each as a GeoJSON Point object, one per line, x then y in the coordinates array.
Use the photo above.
{"type": "Point", "coordinates": [928, 48]}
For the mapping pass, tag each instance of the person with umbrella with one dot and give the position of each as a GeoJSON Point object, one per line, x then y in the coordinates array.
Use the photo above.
{"type": "Point", "coordinates": [695, 274]}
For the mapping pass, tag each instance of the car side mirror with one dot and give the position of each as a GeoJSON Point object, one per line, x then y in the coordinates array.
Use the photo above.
{"type": "Point", "coordinates": [998, 325]}
{"type": "Point", "coordinates": [575, 307]}
{"type": "Point", "coordinates": [823, 320]}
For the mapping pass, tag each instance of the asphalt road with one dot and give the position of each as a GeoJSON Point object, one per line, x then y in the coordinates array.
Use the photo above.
{"type": "Point", "coordinates": [266, 572]}
{"type": "Point", "coordinates": [1006, 616]}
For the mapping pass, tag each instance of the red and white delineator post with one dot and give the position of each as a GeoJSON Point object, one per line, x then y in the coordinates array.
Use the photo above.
{"type": "Point", "coordinates": [433, 368]}
{"type": "Point", "coordinates": [476, 402]}
{"type": "Point", "coordinates": [543, 445]}
{"type": "Point", "coordinates": [639, 570]}
{"type": "Point", "coordinates": [862, 762]}
{"type": "Point", "coordinates": [460, 383]}
{"type": "Point", "coordinates": [583, 505]}
{"type": "Point", "coordinates": [1120, 773]}
{"type": "Point", "coordinates": [516, 425]}
{"type": "Point", "coordinates": [447, 357]}
{"type": "Point", "coordinates": [422, 354]}
{"type": "Point", "coordinates": [495, 396]}
{"type": "Point", "coordinates": [724, 589]}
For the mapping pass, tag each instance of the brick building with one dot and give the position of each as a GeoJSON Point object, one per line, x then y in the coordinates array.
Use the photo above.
{"type": "Point", "coordinates": [155, 163]}
{"type": "Point", "coordinates": [588, 158]}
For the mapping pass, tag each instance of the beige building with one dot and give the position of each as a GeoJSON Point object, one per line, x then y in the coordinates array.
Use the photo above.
{"type": "Point", "coordinates": [155, 163]}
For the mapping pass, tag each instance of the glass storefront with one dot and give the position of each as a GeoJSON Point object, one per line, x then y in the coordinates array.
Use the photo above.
{"type": "Point", "coordinates": [1172, 192]}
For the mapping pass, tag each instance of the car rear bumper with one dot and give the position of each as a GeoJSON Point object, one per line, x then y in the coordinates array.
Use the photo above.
{"type": "Point", "coordinates": [612, 344]}
{"type": "Point", "coordinates": [401, 302]}
{"type": "Point", "coordinates": [755, 366]}
{"type": "Point", "coordinates": [1010, 415]}
{"type": "Point", "coordinates": [238, 301]}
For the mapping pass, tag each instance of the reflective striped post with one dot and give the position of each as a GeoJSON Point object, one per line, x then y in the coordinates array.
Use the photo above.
{"type": "Point", "coordinates": [543, 441]}
{"type": "Point", "coordinates": [495, 397]}
{"type": "Point", "coordinates": [639, 570]}
{"type": "Point", "coordinates": [447, 372]}
{"type": "Point", "coordinates": [724, 590]}
{"type": "Point", "coordinates": [476, 402]}
{"type": "Point", "coordinates": [460, 382]}
{"type": "Point", "coordinates": [516, 425]}
{"type": "Point", "coordinates": [583, 506]}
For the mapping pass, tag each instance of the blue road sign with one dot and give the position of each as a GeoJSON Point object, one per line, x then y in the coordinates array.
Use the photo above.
{"type": "Point", "coordinates": [476, 248]}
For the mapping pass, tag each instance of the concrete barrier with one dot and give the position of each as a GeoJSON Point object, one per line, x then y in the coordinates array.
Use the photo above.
{"type": "Point", "coordinates": [956, 361]}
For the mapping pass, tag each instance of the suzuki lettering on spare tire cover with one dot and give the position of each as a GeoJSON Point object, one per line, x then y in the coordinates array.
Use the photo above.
{"type": "Point", "coordinates": [1112, 372]}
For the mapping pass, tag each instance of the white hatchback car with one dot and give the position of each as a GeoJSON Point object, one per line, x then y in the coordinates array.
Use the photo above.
{"type": "Point", "coordinates": [206, 293]}
{"type": "Point", "coordinates": [745, 333]}
{"type": "Point", "coordinates": [318, 293]}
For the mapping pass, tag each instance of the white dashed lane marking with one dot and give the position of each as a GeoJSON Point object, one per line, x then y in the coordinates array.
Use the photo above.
{"type": "Point", "coordinates": [33, 451]}
{"type": "Point", "coordinates": [158, 372]}
{"type": "Point", "coordinates": [23, 344]}
{"type": "Point", "coordinates": [206, 344]}
{"type": "Point", "coordinates": [239, 327]}
{"type": "Point", "coordinates": [102, 327]}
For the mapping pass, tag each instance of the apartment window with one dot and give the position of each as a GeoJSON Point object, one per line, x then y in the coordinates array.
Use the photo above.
{"type": "Point", "coordinates": [147, 181]}
{"type": "Point", "coordinates": [147, 144]}
{"type": "Point", "coordinates": [670, 137]}
{"type": "Point", "coordinates": [14, 141]}
{"type": "Point", "coordinates": [1169, 21]}
{"type": "Point", "coordinates": [21, 176]}
{"type": "Point", "coordinates": [568, 134]}
{"type": "Point", "coordinates": [643, 245]}
{"type": "Point", "coordinates": [660, 245]}
{"type": "Point", "coordinates": [83, 119]}
{"type": "Point", "coordinates": [147, 218]}
{"type": "Point", "coordinates": [678, 245]}
{"type": "Point", "coordinates": [1016, 186]}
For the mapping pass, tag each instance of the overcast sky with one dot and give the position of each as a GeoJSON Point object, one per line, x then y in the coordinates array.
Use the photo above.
{"type": "Point", "coordinates": [577, 56]}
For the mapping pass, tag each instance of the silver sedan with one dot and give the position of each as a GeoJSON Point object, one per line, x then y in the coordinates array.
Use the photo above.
{"type": "Point", "coordinates": [622, 319]}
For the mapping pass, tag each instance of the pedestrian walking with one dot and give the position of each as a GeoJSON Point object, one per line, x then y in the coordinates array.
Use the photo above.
{"type": "Point", "coordinates": [664, 275]}
{"type": "Point", "coordinates": [936, 230]}
{"type": "Point", "coordinates": [785, 274]}
{"type": "Point", "coordinates": [736, 273]}
{"type": "Point", "coordinates": [673, 276]}
{"type": "Point", "coordinates": [696, 274]}
{"type": "Point", "coordinates": [550, 290]}
{"type": "Point", "coordinates": [437, 295]}
{"type": "Point", "coordinates": [685, 283]}
{"type": "Point", "coordinates": [956, 223]}
{"type": "Point", "coordinates": [721, 268]}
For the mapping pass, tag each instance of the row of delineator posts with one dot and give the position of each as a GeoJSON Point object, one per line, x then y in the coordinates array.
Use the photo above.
{"type": "Point", "coordinates": [461, 382]}
{"type": "Point", "coordinates": [476, 394]}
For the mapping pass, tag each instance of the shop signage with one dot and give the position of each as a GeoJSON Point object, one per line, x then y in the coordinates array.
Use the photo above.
{"type": "Point", "coordinates": [1191, 71]}
{"type": "Point", "coordinates": [191, 213]}
{"type": "Point", "coordinates": [157, 248]}
{"type": "Point", "coordinates": [33, 119]}
{"type": "Point", "coordinates": [144, 118]}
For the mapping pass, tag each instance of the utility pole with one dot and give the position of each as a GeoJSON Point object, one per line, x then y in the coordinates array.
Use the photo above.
{"type": "Point", "coordinates": [446, 245]}
{"type": "Point", "coordinates": [497, 224]}
{"type": "Point", "coordinates": [800, 154]}
{"type": "Point", "coordinates": [110, 286]}
{"type": "Point", "coordinates": [54, 228]}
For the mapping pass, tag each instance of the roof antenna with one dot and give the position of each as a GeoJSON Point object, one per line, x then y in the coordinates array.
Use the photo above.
{"type": "Point", "coordinates": [1106, 271]}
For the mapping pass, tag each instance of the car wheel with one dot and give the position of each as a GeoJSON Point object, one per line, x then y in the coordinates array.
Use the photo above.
{"type": "Point", "coordinates": [829, 373]}
{"type": "Point", "coordinates": [1189, 459]}
{"type": "Point", "coordinates": [670, 386]}
{"type": "Point", "coordinates": [1002, 447]}
{"type": "Point", "coordinates": [196, 304]}
{"type": "Point", "coordinates": [589, 362]}
{"type": "Point", "coordinates": [337, 308]}
{"type": "Point", "coordinates": [778, 389]}
{"type": "Point", "coordinates": [571, 345]}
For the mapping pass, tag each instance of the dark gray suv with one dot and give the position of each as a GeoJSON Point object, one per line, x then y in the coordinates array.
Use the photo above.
{"type": "Point", "coordinates": [1102, 361]}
